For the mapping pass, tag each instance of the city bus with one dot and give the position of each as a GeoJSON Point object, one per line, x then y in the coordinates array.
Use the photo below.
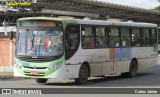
{"type": "Point", "coordinates": [65, 48]}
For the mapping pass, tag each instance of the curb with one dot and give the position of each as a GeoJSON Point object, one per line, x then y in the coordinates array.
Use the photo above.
{"type": "Point", "coordinates": [9, 75]}
{"type": "Point", "coordinates": [6, 75]}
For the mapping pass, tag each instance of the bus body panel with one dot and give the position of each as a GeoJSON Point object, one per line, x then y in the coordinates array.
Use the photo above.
{"type": "Point", "coordinates": [65, 72]}
{"type": "Point", "coordinates": [146, 56]}
{"type": "Point", "coordinates": [102, 61]}
{"type": "Point", "coordinates": [101, 64]}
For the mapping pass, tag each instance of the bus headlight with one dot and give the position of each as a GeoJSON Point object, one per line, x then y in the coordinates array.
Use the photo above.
{"type": "Point", "coordinates": [18, 65]}
{"type": "Point", "coordinates": [54, 67]}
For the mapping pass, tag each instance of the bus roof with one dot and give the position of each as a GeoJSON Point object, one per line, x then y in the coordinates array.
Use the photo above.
{"type": "Point", "coordinates": [113, 23]}
{"type": "Point", "coordinates": [96, 22]}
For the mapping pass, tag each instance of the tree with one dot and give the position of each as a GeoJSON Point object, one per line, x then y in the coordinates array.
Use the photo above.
{"type": "Point", "coordinates": [157, 8]}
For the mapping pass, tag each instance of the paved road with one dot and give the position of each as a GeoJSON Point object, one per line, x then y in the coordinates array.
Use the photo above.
{"type": "Point", "coordinates": [147, 78]}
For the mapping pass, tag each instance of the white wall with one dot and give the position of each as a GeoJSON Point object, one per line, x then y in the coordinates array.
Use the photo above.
{"type": "Point", "coordinates": [8, 29]}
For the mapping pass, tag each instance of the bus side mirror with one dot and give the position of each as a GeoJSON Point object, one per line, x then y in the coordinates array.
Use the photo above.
{"type": "Point", "coordinates": [11, 35]}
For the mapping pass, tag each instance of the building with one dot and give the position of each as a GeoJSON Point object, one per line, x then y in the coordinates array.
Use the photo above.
{"type": "Point", "coordinates": [6, 58]}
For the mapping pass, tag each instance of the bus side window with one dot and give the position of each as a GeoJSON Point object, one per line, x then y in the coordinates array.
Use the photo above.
{"type": "Point", "coordinates": [154, 37]}
{"type": "Point", "coordinates": [88, 40]}
{"type": "Point", "coordinates": [72, 37]}
{"type": "Point", "coordinates": [67, 42]}
{"type": "Point", "coordinates": [114, 38]}
{"type": "Point", "coordinates": [125, 37]}
{"type": "Point", "coordinates": [136, 37]}
{"type": "Point", "coordinates": [101, 37]}
{"type": "Point", "coordinates": [146, 37]}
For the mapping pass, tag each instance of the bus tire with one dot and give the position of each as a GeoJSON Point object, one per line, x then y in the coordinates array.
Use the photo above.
{"type": "Point", "coordinates": [83, 75]}
{"type": "Point", "coordinates": [132, 70]}
{"type": "Point", "coordinates": [41, 80]}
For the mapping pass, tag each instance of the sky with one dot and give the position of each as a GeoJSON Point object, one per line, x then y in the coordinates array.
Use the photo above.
{"type": "Point", "coordinates": [147, 4]}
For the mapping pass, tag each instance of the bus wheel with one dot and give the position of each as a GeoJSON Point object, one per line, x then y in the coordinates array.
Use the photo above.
{"type": "Point", "coordinates": [132, 70]}
{"type": "Point", "coordinates": [83, 75]}
{"type": "Point", "coordinates": [41, 80]}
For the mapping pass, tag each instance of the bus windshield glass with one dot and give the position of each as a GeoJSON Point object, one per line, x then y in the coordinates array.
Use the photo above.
{"type": "Point", "coordinates": [39, 42]}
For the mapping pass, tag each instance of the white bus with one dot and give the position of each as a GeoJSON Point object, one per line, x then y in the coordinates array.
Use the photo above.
{"type": "Point", "coordinates": [79, 49]}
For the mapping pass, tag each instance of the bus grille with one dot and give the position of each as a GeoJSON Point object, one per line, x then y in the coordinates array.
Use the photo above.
{"type": "Point", "coordinates": [35, 67]}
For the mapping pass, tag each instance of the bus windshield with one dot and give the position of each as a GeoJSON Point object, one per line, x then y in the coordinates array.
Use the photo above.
{"type": "Point", "coordinates": [39, 42]}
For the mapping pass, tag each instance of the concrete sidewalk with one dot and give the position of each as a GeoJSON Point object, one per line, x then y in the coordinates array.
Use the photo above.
{"type": "Point", "coordinates": [6, 75]}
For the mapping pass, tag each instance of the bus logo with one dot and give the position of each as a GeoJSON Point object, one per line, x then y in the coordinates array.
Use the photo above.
{"type": "Point", "coordinates": [6, 91]}
{"type": "Point", "coordinates": [37, 52]}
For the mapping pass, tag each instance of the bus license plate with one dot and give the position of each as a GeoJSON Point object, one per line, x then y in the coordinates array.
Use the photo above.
{"type": "Point", "coordinates": [34, 73]}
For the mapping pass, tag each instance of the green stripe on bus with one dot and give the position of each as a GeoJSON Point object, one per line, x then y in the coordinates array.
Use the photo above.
{"type": "Point", "coordinates": [47, 64]}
